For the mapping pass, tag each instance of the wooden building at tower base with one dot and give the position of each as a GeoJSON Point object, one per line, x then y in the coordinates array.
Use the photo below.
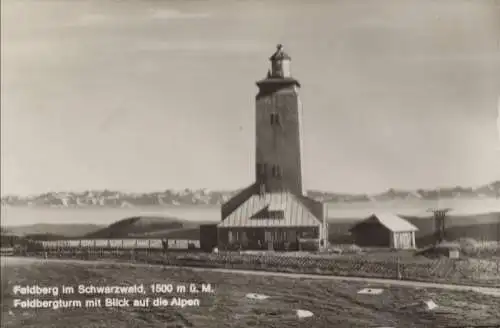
{"type": "Point", "coordinates": [272, 221]}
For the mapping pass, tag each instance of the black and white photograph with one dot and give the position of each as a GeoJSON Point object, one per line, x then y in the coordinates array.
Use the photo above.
{"type": "Point", "coordinates": [250, 163]}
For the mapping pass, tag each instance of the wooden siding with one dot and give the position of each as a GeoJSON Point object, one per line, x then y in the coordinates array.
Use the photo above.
{"type": "Point", "coordinates": [317, 208]}
{"type": "Point", "coordinates": [296, 213]}
{"type": "Point", "coordinates": [277, 238]}
{"type": "Point", "coordinates": [403, 240]}
{"type": "Point", "coordinates": [268, 234]}
{"type": "Point", "coordinates": [233, 203]}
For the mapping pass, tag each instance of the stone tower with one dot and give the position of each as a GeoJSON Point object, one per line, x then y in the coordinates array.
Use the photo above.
{"type": "Point", "coordinates": [278, 129]}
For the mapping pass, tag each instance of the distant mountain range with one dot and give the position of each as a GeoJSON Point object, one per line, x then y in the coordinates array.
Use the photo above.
{"type": "Point", "coordinates": [208, 197]}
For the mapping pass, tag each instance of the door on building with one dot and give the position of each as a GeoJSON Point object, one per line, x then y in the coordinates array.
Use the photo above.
{"type": "Point", "coordinates": [244, 239]}
{"type": "Point", "coordinates": [268, 236]}
{"type": "Point", "coordinates": [403, 240]}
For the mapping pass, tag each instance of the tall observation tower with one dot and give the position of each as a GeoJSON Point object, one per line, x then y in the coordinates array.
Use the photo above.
{"type": "Point", "coordinates": [274, 210]}
{"type": "Point", "coordinates": [278, 128]}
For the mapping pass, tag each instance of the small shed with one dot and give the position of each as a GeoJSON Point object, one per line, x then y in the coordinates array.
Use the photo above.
{"type": "Point", "coordinates": [384, 230]}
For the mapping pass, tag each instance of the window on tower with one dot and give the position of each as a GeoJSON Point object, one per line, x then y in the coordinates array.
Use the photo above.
{"type": "Point", "coordinates": [261, 169]}
{"type": "Point", "coordinates": [275, 119]}
{"type": "Point", "coordinates": [276, 171]}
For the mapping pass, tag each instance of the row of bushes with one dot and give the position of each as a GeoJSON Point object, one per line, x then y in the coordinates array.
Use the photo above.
{"type": "Point", "coordinates": [468, 247]}
{"type": "Point", "coordinates": [442, 270]}
{"type": "Point", "coordinates": [473, 247]}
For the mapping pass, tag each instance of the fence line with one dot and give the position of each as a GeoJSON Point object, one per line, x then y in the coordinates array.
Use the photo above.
{"type": "Point", "coordinates": [121, 243]}
{"type": "Point", "coordinates": [436, 270]}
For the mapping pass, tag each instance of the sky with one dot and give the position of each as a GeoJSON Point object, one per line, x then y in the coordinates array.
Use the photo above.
{"type": "Point", "coordinates": [153, 95]}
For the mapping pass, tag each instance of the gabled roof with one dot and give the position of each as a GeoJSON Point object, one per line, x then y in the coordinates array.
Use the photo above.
{"type": "Point", "coordinates": [279, 209]}
{"type": "Point", "coordinates": [391, 221]}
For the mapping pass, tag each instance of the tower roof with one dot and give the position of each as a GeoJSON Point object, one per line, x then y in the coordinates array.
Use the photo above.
{"type": "Point", "coordinates": [280, 54]}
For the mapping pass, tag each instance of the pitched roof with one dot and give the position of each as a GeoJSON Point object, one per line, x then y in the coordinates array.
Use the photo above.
{"type": "Point", "coordinates": [273, 209]}
{"type": "Point", "coordinates": [391, 221]}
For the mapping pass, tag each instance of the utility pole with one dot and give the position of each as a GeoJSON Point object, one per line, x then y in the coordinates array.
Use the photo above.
{"type": "Point", "coordinates": [440, 223]}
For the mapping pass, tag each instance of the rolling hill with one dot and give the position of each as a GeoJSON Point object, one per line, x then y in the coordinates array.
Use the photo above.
{"type": "Point", "coordinates": [144, 227]}
{"type": "Point", "coordinates": [66, 230]}
{"type": "Point", "coordinates": [153, 227]}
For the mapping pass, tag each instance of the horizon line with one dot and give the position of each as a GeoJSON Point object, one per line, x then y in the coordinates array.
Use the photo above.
{"type": "Point", "coordinates": [236, 189]}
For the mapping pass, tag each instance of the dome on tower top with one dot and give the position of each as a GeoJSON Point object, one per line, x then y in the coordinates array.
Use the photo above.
{"type": "Point", "coordinates": [280, 54]}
